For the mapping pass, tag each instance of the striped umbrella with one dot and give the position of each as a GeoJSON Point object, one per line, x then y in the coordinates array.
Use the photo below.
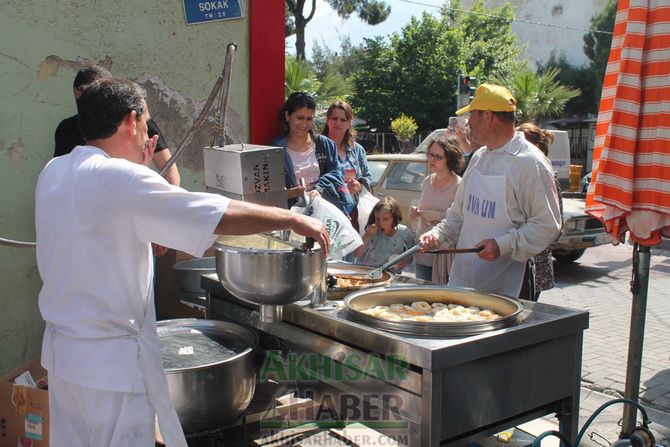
{"type": "Point", "coordinates": [630, 183]}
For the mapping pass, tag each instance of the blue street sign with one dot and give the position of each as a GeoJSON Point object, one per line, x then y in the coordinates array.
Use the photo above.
{"type": "Point", "coordinates": [201, 11]}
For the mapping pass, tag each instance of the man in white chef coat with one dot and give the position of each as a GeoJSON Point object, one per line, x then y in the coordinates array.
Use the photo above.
{"type": "Point", "coordinates": [507, 202]}
{"type": "Point", "coordinates": [97, 211]}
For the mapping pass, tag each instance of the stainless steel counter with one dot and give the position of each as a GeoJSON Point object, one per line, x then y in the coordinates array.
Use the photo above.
{"type": "Point", "coordinates": [447, 390]}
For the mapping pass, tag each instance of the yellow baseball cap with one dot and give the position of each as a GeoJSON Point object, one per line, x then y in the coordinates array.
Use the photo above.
{"type": "Point", "coordinates": [490, 97]}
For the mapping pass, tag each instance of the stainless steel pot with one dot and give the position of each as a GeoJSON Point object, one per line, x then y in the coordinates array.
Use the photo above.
{"type": "Point", "coordinates": [508, 308]}
{"type": "Point", "coordinates": [260, 271]}
{"type": "Point", "coordinates": [209, 368]}
{"type": "Point", "coordinates": [189, 272]}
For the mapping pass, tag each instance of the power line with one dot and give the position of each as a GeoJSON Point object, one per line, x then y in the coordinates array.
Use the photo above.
{"type": "Point", "coordinates": [574, 28]}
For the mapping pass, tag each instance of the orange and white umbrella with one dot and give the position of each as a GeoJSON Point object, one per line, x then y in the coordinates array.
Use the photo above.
{"type": "Point", "coordinates": [630, 184]}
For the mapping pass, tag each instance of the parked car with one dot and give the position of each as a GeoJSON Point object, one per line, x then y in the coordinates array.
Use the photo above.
{"type": "Point", "coordinates": [401, 176]}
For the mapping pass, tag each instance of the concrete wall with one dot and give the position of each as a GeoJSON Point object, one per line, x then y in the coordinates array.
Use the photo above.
{"type": "Point", "coordinates": [44, 43]}
{"type": "Point", "coordinates": [540, 40]}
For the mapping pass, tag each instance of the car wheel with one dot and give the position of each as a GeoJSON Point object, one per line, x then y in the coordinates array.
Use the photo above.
{"type": "Point", "coordinates": [568, 256]}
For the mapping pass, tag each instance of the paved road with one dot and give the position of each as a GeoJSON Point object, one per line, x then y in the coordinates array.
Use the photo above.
{"type": "Point", "coordinates": [600, 283]}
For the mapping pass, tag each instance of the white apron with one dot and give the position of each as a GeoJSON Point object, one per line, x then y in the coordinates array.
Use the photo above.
{"type": "Point", "coordinates": [151, 365]}
{"type": "Point", "coordinates": [485, 216]}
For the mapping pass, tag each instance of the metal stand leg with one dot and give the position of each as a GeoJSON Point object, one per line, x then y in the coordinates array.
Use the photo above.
{"type": "Point", "coordinates": [639, 287]}
{"type": "Point", "coordinates": [568, 419]}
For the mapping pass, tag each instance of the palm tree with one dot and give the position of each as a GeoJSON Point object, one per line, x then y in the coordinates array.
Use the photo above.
{"type": "Point", "coordinates": [539, 95]}
{"type": "Point", "coordinates": [301, 78]}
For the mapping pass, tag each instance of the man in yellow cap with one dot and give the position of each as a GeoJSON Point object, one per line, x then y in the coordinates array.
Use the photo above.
{"type": "Point", "coordinates": [507, 202]}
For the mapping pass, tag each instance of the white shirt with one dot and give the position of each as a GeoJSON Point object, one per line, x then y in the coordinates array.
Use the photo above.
{"type": "Point", "coordinates": [305, 165]}
{"type": "Point", "coordinates": [531, 197]}
{"type": "Point", "coordinates": [95, 218]}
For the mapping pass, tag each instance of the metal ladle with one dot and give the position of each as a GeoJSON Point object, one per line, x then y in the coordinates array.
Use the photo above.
{"type": "Point", "coordinates": [377, 273]}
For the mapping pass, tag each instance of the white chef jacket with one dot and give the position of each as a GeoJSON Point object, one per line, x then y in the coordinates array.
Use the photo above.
{"type": "Point", "coordinates": [531, 197]}
{"type": "Point", "coordinates": [95, 218]}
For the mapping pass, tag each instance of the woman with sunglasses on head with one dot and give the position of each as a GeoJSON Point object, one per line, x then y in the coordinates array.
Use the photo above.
{"type": "Point", "coordinates": [310, 156]}
{"type": "Point", "coordinates": [351, 155]}
{"type": "Point", "coordinates": [444, 159]}
{"type": "Point", "coordinates": [543, 262]}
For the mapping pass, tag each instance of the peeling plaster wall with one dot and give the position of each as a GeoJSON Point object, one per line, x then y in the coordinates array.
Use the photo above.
{"type": "Point", "coordinates": [43, 45]}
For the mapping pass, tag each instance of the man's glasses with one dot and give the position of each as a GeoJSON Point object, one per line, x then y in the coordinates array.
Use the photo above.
{"type": "Point", "coordinates": [430, 155]}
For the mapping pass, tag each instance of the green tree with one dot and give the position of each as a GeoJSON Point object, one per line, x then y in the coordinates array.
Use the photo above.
{"type": "Point", "coordinates": [416, 72]}
{"type": "Point", "coordinates": [582, 78]}
{"type": "Point", "coordinates": [344, 62]}
{"type": "Point", "coordinates": [372, 12]}
{"type": "Point", "coordinates": [404, 127]}
{"type": "Point", "coordinates": [597, 45]}
{"type": "Point", "coordinates": [539, 95]}
{"type": "Point", "coordinates": [301, 78]}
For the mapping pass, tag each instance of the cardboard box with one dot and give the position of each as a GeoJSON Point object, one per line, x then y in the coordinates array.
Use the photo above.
{"type": "Point", "coordinates": [24, 411]}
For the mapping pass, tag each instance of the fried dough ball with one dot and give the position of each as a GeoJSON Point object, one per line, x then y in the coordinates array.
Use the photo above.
{"type": "Point", "coordinates": [390, 316]}
{"type": "Point", "coordinates": [422, 306]}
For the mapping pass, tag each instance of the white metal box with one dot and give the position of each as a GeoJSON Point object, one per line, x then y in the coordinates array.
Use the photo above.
{"type": "Point", "coordinates": [247, 172]}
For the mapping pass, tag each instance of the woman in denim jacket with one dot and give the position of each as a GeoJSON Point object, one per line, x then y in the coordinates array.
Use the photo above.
{"type": "Point", "coordinates": [310, 156]}
{"type": "Point", "coordinates": [351, 155]}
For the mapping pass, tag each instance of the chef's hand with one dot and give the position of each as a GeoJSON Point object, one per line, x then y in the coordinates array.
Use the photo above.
{"type": "Point", "coordinates": [491, 251]}
{"type": "Point", "coordinates": [314, 228]}
{"type": "Point", "coordinates": [148, 151]}
{"type": "Point", "coordinates": [414, 212]}
{"type": "Point", "coordinates": [158, 250]}
{"type": "Point", "coordinates": [428, 242]}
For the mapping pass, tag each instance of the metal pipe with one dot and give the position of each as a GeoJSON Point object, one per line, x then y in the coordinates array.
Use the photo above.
{"type": "Point", "coordinates": [202, 117]}
{"type": "Point", "coordinates": [271, 313]}
{"type": "Point", "coordinates": [223, 98]}
{"type": "Point", "coordinates": [639, 287]}
{"type": "Point", "coordinates": [17, 244]}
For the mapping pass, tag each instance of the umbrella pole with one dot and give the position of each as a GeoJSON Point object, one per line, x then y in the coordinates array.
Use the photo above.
{"type": "Point", "coordinates": [639, 286]}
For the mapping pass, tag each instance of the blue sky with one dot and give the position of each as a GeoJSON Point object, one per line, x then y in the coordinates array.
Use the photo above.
{"type": "Point", "coordinates": [328, 26]}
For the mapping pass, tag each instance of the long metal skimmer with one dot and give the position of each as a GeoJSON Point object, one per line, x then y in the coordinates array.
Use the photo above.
{"type": "Point", "coordinates": [221, 88]}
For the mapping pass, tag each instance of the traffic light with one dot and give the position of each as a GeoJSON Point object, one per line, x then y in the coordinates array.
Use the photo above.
{"type": "Point", "coordinates": [466, 90]}
{"type": "Point", "coordinates": [472, 86]}
{"type": "Point", "coordinates": [464, 85]}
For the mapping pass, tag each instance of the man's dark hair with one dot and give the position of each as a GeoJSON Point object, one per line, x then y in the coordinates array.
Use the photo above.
{"type": "Point", "coordinates": [104, 104]}
{"type": "Point", "coordinates": [88, 75]}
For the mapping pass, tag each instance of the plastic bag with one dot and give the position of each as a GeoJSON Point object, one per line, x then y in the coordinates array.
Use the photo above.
{"type": "Point", "coordinates": [343, 237]}
{"type": "Point", "coordinates": [366, 202]}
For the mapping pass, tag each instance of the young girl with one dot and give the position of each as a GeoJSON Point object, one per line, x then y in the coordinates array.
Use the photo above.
{"type": "Point", "coordinates": [385, 237]}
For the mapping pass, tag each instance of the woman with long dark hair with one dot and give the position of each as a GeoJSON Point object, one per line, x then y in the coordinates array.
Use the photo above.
{"type": "Point", "coordinates": [310, 156]}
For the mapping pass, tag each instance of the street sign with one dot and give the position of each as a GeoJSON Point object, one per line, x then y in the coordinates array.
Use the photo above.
{"type": "Point", "coordinates": [202, 11]}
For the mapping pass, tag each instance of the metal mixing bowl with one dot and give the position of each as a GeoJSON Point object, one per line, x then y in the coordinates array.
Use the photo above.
{"type": "Point", "coordinates": [508, 308]}
{"type": "Point", "coordinates": [208, 390]}
{"type": "Point", "coordinates": [260, 271]}
{"type": "Point", "coordinates": [190, 271]}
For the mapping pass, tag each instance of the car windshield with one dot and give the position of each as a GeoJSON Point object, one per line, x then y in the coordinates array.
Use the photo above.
{"type": "Point", "coordinates": [377, 169]}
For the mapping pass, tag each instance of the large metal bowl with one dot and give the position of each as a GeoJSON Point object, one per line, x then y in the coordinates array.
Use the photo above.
{"type": "Point", "coordinates": [262, 271]}
{"type": "Point", "coordinates": [190, 271]}
{"type": "Point", "coordinates": [208, 389]}
{"type": "Point", "coordinates": [509, 309]}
